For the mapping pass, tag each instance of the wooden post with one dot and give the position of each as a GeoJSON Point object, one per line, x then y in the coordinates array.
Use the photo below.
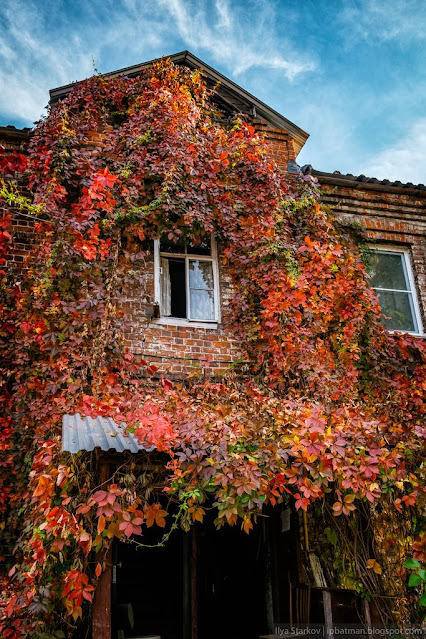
{"type": "Point", "coordinates": [328, 613]}
{"type": "Point", "coordinates": [101, 610]}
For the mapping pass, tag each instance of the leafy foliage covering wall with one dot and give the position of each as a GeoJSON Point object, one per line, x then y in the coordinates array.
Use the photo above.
{"type": "Point", "coordinates": [326, 409]}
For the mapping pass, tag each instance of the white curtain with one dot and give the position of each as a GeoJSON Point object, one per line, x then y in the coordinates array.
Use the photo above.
{"type": "Point", "coordinates": [165, 297]}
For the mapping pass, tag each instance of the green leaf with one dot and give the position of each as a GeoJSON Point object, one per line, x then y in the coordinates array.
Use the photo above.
{"type": "Point", "coordinates": [412, 564]}
{"type": "Point", "coordinates": [422, 601]}
{"type": "Point", "coordinates": [331, 536]}
{"type": "Point", "coordinates": [414, 580]}
{"type": "Point", "coordinates": [422, 574]}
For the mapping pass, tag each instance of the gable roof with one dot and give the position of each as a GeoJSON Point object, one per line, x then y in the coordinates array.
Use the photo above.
{"type": "Point", "coordinates": [229, 95]}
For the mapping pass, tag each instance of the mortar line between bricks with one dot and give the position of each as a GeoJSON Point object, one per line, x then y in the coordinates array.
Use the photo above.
{"type": "Point", "coordinates": [187, 359]}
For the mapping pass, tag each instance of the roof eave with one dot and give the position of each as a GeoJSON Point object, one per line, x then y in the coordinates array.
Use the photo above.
{"type": "Point", "coordinates": [336, 180]}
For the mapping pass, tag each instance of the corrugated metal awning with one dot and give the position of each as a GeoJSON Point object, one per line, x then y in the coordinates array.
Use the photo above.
{"type": "Point", "coordinates": [86, 433]}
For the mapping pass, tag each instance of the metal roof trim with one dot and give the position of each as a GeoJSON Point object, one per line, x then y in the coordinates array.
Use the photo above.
{"type": "Point", "coordinates": [87, 433]}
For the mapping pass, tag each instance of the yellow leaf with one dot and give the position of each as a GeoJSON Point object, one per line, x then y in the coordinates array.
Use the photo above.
{"type": "Point", "coordinates": [77, 612]}
{"type": "Point", "coordinates": [113, 530]}
{"type": "Point", "coordinates": [247, 525]}
{"type": "Point", "coordinates": [372, 564]}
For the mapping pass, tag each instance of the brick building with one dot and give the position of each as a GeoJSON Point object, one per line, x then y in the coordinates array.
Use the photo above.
{"type": "Point", "coordinates": [183, 337]}
{"type": "Point", "coordinates": [392, 215]}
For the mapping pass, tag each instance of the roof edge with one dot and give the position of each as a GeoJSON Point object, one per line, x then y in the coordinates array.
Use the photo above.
{"type": "Point", "coordinates": [12, 131]}
{"type": "Point", "coordinates": [189, 59]}
{"type": "Point", "coordinates": [371, 184]}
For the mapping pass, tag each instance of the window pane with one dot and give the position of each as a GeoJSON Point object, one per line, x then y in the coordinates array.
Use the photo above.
{"type": "Point", "coordinates": [177, 287]}
{"type": "Point", "coordinates": [168, 246]}
{"type": "Point", "coordinates": [200, 274]}
{"type": "Point", "coordinates": [399, 307]}
{"type": "Point", "coordinates": [387, 270]}
{"type": "Point", "coordinates": [202, 248]}
{"type": "Point", "coordinates": [202, 304]}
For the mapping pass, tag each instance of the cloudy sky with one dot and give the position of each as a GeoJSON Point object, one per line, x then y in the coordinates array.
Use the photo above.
{"type": "Point", "coordinates": [349, 72]}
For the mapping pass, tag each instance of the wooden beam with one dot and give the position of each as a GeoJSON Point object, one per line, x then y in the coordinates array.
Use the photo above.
{"type": "Point", "coordinates": [101, 610]}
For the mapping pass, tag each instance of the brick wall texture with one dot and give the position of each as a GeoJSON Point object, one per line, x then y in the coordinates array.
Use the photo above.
{"type": "Point", "coordinates": [16, 140]}
{"type": "Point", "coordinates": [389, 215]}
{"type": "Point", "coordinates": [177, 349]}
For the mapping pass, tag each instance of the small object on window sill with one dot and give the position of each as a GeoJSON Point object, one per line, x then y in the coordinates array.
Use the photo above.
{"type": "Point", "coordinates": [153, 312]}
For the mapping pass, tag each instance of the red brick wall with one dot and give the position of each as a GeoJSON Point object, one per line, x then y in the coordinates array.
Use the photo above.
{"type": "Point", "coordinates": [280, 145]}
{"type": "Point", "coordinates": [389, 216]}
{"type": "Point", "coordinates": [176, 349]}
{"type": "Point", "coordinates": [22, 230]}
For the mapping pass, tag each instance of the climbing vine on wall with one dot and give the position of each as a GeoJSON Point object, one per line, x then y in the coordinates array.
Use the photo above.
{"type": "Point", "coordinates": [326, 408]}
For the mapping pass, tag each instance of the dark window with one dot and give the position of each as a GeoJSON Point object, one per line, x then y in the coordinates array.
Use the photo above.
{"type": "Point", "coordinates": [187, 280]}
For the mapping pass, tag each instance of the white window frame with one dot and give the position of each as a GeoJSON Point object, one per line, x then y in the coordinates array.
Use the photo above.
{"type": "Point", "coordinates": [406, 262]}
{"type": "Point", "coordinates": [187, 321]}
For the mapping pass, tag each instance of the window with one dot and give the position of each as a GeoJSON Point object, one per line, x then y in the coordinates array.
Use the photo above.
{"type": "Point", "coordinates": [392, 278]}
{"type": "Point", "coordinates": [186, 280]}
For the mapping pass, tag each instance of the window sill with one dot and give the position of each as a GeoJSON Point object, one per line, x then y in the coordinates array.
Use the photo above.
{"type": "Point", "coordinates": [177, 321]}
{"type": "Point", "coordinates": [395, 332]}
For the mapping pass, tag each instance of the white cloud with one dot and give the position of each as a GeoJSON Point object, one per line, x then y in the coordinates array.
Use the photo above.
{"type": "Point", "coordinates": [404, 160]}
{"type": "Point", "coordinates": [239, 44]}
{"type": "Point", "coordinates": [384, 20]}
{"type": "Point", "coordinates": [222, 9]}
{"type": "Point", "coordinates": [42, 46]}
{"type": "Point", "coordinates": [33, 61]}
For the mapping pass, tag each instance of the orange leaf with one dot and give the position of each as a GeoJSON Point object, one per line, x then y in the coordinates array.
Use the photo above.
{"type": "Point", "coordinates": [101, 524]}
{"type": "Point", "coordinates": [155, 514]}
{"type": "Point", "coordinates": [337, 508]}
{"type": "Point", "coordinates": [247, 525]}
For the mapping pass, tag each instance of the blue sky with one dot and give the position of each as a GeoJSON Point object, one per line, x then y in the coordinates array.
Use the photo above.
{"type": "Point", "coordinates": [352, 73]}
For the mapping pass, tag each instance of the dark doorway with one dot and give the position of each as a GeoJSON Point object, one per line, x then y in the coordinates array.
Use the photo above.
{"type": "Point", "coordinates": [152, 581]}
{"type": "Point", "coordinates": [231, 583]}
{"type": "Point", "coordinates": [207, 583]}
